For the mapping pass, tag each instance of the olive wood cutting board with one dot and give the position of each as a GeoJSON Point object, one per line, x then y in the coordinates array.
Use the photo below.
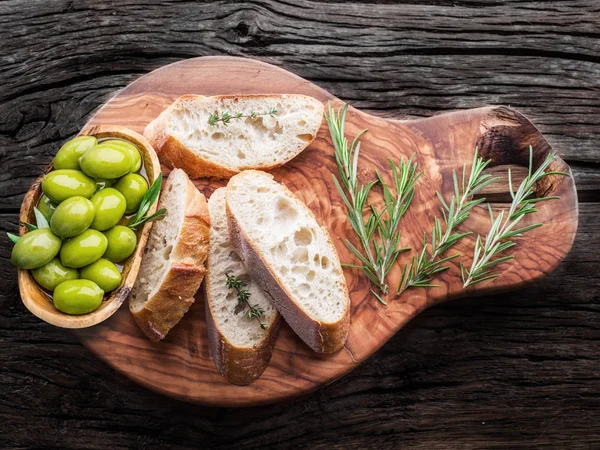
{"type": "Point", "coordinates": [181, 365]}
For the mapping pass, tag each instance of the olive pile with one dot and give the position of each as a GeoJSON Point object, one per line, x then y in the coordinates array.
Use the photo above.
{"type": "Point", "coordinates": [85, 202]}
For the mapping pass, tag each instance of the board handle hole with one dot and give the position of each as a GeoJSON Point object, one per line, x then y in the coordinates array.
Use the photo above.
{"type": "Point", "coordinates": [506, 136]}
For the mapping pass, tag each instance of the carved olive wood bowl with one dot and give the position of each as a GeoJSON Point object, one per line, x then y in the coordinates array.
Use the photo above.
{"type": "Point", "coordinates": [181, 365]}
{"type": "Point", "coordinates": [34, 298]}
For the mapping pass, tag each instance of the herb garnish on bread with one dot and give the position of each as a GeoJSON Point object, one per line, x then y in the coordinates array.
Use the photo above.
{"type": "Point", "coordinates": [242, 323]}
{"type": "Point", "coordinates": [223, 135]}
{"type": "Point", "coordinates": [290, 257]}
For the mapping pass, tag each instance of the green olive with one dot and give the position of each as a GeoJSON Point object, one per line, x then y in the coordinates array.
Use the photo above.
{"type": "Point", "coordinates": [59, 185]}
{"type": "Point", "coordinates": [121, 243]}
{"type": "Point", "coordinates": [110, 207]}
{"type": "Point", "coordinates": [35, 249]}
{"type": "Point", "coordinates": [77, 296]}
{"type": "Point", "coordinates": [105, 161]}
{"type": "Point", "coordinates": [52, 274]}
{"type": "Point", "coordinates": [72, 217]}
{"type": "Point", "coordinates": [103, 183]}
{"type": "Point", "coordinates": [46, 207]}
{"type": "Point", "coordinates": [133, 187]}
{"type": "Point", "coordinates": [84, 249]}
{"type": "Point", "coordinates": [69, 154]}
{"type": "Point", "coordinates": [134, 153]}
{"type": "Point", "coordinates": [104, 273]}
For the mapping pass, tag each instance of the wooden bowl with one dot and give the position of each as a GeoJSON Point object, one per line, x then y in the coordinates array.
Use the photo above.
{"type": "Point", "coordinates": [33, 297]}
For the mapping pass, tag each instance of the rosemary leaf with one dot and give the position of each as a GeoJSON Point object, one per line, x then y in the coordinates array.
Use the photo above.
{"type": "Point", "coordinates": [378, 231]}
{"type": "Point", "coordinates": [13, 237]}
{"type": "Point", "coordinates": [378, 297]}
{"type": "Point", "coordinates": [503, 226]}
{"type": "Point", "coordinates": [422, 268]}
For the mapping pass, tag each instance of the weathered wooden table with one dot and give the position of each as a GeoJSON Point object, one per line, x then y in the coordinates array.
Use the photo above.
{"type": "Point", "coordinates": [510, 371]}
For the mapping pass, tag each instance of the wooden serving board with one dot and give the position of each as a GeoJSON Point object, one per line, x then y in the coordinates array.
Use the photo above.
{"type": "Point", "coordinates": [181, 366]}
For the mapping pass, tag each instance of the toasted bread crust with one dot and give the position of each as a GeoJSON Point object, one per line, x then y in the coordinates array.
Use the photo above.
{"type": "Point", "coordinates": [321, 337]}
{"type": "Point", "coordinates": [172, 300]}
{"type": "Point", "coordinates": [239, 365]}
{"type": "Point", "coordinates": [173, 154]}
{"type": "Point", "coordinates": [175, 295]}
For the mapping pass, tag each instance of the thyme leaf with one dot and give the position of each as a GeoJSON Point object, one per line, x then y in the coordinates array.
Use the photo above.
{"type": "Point", "coordinates": [225, 117]}
{"type": "Point", "coordinates": [254, 311]}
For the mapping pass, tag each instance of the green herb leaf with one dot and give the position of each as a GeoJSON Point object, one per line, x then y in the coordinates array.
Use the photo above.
{"type": "Point", "coordinates": [158, 215]}
{"type": "Point", "coordinates": [148, 200]}
{"type": "Point", "coordinates": [421, 271]}
{"type": "Point", "coordinates": [30, 226]}
{"type": "Point", "coordinates": [503, 225]}
{"type": "Point", "coordinates": [225, 117]}
{"type": "Point", "coordinates": [243, 296]}
{"type": "Point", "coordinates": [378, 231]}
{"type": "Point", "coordinates": [13, 237]}
{"type": "Point", "coordinates": [378, 297]}
{"type": "Point", "coordinates": [40, 220]}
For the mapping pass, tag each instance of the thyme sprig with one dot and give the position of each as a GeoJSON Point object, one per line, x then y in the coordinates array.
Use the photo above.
{"type": "Point", "coordinates": [225, 117]}
{"type": "Point", "coordinates": [254, 311]}
{"type": "Point", "coordinates": [148, 200]}
{"type": "Point", "coordinates": [498, 238]}
{"type": "Point", "coordinates": [379, 234]}
{"type": "Point", "coordinates": [429, 262]}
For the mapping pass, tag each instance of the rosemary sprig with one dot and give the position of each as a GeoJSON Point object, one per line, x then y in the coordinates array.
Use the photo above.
{"type": "Point", "coordinates": [428, 263]}
{"type": "Point", "coordinates": [254, 312]}
{"type": "Point", "coordinates": [148, 200]}
{"type": "Point", "coordinates": [13, 237]}
{"type": "Point", "coordinates": [225, 117]}
{"type": "Point", "coordinates": [498, 238]}
{"type": "Point", "coordinates": [379, 234]}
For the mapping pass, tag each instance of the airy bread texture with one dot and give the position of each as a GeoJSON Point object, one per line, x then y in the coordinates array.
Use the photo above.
{"type": "Point", "coordinates": [173, 264]}
{"type": "Point", "coordinates": [240, 348]}
{"type": "Point", "coordinates": [290, 257]}
{"type": "Point", "coordinates": [183, 137]}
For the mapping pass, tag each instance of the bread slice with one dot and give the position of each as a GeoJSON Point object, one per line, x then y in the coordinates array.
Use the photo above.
{"type": "Point", "coordinates": [173, 264]}
{"type": "Point", "coordinates": [183, 137]}
{"type": "Point", "coordinates": [290, 257]}
{"type": "Point", "coordinates": [240, 348]}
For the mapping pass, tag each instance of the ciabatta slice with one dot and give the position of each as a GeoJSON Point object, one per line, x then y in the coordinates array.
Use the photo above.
{"type": "Point", "coordinates": [240, 347]}
{"type": "Point", "coordinates": [291, 257]}
{"type": "Point", "coordinates": [173, 264]}
{"type": "Point", "coordinates": [183, 136]}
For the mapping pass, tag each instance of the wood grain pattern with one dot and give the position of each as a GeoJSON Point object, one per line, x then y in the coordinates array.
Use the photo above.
{"type": "Point", "coordinates": [181, 365]}
{"type": "Point", "coordinates": [33, 297]}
